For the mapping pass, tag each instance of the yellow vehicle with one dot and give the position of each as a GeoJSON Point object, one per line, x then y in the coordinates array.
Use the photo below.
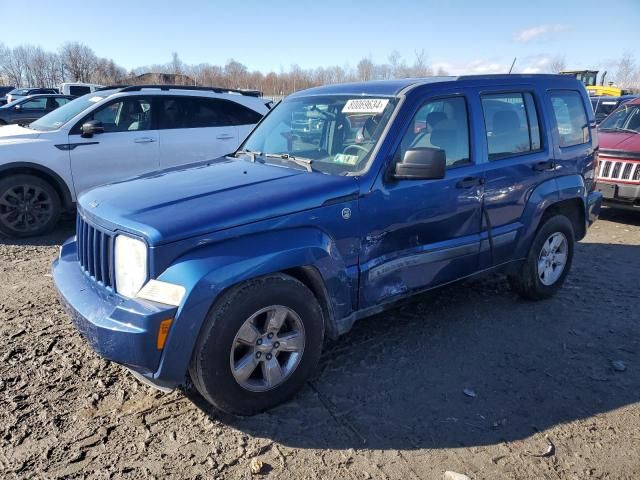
{"type": "Point", "coordinates": [590, 80]}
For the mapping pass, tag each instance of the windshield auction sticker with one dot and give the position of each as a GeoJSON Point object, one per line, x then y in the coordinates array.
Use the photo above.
{"type": "Point", "coordinates": [365, 105]}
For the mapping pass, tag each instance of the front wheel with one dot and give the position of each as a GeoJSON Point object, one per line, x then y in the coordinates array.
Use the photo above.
{"type": "Point", "coordinates": [29, 206]}
{"type": "Point", "coordinates": [548, 262]}
{"type": "Point", "coordinates": [261, 341]}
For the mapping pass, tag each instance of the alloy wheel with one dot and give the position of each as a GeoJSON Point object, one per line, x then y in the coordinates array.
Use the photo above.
{"type": "Point", "coordinates": [267, 348]}
{"type": "Point", "coordinates": [25, 208]}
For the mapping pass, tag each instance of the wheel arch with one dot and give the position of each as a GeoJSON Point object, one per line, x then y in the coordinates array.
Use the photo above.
{"type": "Point", "coordinates": [306, 254]}
{"type": "Point", "coordinates": [44, 173]}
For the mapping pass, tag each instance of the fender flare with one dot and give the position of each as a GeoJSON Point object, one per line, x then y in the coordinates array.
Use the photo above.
{"type": "Point", "coordinates": [58, 183]}
{"type": "Point", "coordinates": [544, 196]}
{"type": "Point", "coordinates": [209, 270]}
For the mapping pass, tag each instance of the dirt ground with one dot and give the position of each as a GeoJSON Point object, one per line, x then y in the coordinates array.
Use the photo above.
{"type": "Point", "coordinates": [388, 401]}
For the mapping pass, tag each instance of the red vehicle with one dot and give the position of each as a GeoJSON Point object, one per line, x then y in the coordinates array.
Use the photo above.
{"type": "Point", "coordinates": [618, 174]}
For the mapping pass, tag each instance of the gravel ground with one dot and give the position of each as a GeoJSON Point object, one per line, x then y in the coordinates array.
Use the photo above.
{"type": "Point", "coordinates": [544, 394]}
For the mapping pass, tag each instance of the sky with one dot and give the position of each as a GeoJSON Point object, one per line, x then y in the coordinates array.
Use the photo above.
{"type": "Point", "coordinates": [462, 36]}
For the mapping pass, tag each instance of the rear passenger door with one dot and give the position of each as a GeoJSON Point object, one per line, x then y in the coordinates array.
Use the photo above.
{"type": "Point", "coordinates": [518, 159]}
{"type": "Point", "coordinates": [194, 129]}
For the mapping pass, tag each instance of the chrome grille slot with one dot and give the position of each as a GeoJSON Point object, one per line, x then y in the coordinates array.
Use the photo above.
{"type": "Point", "coordinates": [627, 171]}
{"type": "Point", "coordinates": [95, 252]}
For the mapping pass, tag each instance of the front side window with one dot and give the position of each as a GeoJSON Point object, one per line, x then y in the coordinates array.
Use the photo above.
{"type": "Point", "coordinates": [625, 119]}
{"type": "Point", "coordinates": [571, 117]}
{"type": "Point", "coordinates": [62, 115]}
{"type": "Point", "coordinates": [35, 104]}
{"type": "Point", "coordinates": [511, 123]}
{"type": "Point", "coordinates": [443, 124]}
{"type": "Point", "coordinates": [129, 114]}
{"type": "Point", "coordinates": [337, 133]}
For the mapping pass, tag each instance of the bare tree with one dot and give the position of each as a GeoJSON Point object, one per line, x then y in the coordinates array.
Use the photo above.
{"type": "Point", "coordinates": [79, 61]}
{"type": "Point", "coordinates": [420, 66]}
{"type": "Point", "coordinates": [557, 64]}
{"type": "Point", "coordinates": [627, 74]}
{"type": "Point", "coordinates": [365, 69]}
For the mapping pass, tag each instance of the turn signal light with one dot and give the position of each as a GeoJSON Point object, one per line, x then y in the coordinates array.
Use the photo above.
{"type": "Point", "coordinates": [163, 333]}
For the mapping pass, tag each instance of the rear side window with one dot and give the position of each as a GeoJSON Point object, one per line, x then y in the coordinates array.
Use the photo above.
{"type": "Point", "coordinates": [443, 124]}
{"type": "Point", "coordinates": [241, 115]}
{"type": "Point", "coordinates": [192, 112]}
{"type": "Point", "coordinates": [79, 90]}
{"type": "Point", "coordinates": [511, 123]}
{"type": "Point", "coordinates": [571, 117]}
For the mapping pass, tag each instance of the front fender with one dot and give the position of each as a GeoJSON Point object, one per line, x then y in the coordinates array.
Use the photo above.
{"type": "Point", "coordinates": [209, 270]}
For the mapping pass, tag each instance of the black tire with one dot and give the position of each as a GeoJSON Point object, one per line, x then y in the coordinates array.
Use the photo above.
{"type": "Point", "coordinates": [527, 283]}
{"type": "Point", "coordinates": [210, 367]}
{"type": "Point", "coordinates": [42, 212]}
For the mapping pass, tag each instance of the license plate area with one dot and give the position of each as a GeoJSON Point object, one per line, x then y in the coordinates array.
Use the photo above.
{"type": "Point", "coordinates": [608, 190]}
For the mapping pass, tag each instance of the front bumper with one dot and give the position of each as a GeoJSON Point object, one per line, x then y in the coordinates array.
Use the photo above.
{"type": "Point", "coordinates": [119, 329]}
{"type": "Point", "coordinates": [620, 195]}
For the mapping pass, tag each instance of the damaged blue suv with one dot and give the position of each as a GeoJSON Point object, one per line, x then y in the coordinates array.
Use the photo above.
{"type": "Point", "coordinates": [233, 272]}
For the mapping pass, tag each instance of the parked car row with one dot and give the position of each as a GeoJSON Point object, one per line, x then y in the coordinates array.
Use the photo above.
{"type": "Point", "coordinates": [342, 201]}
{"type": "Point", "coordinates": [28, 109]}
{"type": "Point", "coordinates": [109, 135]}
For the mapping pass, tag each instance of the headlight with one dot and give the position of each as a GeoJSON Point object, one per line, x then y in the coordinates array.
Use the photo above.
{"type": "Point", "coordinates": [131, 265]}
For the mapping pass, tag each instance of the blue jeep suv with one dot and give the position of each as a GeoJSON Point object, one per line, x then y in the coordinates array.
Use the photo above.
{"type": "Point", "coordinates": [233, 272]}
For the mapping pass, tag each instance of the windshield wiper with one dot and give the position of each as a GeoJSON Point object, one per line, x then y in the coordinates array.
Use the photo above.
{"type": "Point", "coordinates": [251, 153]}
{"type": "Point", "coordinates": [619, 129]}
{"type": "Point", "coordinates": [303, 162]}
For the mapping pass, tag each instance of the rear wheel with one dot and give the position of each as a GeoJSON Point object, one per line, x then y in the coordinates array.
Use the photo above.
{"type": "Point", "coordinates": [548, 262]}
{"type": "Point", "coordinates": [260, 343]}
{"type": "Point", "coordinates": [28, 206]}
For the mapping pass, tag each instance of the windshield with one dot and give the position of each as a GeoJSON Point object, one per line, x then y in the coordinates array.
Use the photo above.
{"type": "Point", "coordinates": [603, 107]}
{"type": "Point", "coordinates": [19, 91]}
{"type": "Point", "coordinates": [625, 119]}
{"type": "Point", "coordinates": [62, 115]}
{"type": "Point", "coordinates": [336, 133]}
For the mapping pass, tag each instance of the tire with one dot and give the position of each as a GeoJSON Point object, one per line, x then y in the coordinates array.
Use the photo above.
{"type": "Point", "coordinates": [534, 282]}
{"type": "Point", "coordinates": [226, 341]}
{"type": "Point", "coordinates": [35, 216]}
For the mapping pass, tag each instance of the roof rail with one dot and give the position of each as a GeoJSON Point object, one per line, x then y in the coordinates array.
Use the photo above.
{"type": "Point", "coordinates": [111, 87]}
{"type": "Point", "coordinates": [137, 88]}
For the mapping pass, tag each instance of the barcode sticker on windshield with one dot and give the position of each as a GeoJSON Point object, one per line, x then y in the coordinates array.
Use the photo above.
{"type": "Point", "coordinates": [365, 105]}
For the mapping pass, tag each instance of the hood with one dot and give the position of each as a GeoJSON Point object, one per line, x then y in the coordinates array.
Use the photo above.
{"type": "Point", "coordinates": [16, 133]}
{"type": "Point", "coordinates": [176, 204]}
{"type": "Point", "coordinates": [628, 142]}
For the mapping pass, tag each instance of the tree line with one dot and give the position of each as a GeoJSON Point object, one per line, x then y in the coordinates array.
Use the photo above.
{"type": "Point", "coordinates": [28, 65]}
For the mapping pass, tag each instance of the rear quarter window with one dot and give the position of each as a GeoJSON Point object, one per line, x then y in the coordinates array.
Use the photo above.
{"type": "Point", "coordinates": [571, 117]}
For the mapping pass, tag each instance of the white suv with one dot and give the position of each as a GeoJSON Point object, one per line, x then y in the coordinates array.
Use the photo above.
{"type": "Point", "coordinates": [110, 135]}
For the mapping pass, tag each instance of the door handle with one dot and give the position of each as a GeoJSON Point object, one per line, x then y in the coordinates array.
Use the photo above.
{"type": "Point", "coordinates": [542, 166]}
{"type": "Point", "coordinates": [145, 140]}
{"type": "Point", "coordinates": [224, 136]}
{"type": "Point", "coordinates": [469, 182]}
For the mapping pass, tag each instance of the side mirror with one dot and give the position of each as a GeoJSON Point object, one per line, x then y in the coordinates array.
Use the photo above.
{"type": "Point", "coordinates": [90, 128]}
{"type": "Point", "coordinates": [423, 163]}
{"type": "Point", "coordinates": [17, 108]}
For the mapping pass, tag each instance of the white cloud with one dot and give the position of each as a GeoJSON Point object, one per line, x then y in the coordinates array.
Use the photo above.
{"type": "Point", "coordinates": [476, 67]}
{"type": "Point", "coordinates": [533, 33]}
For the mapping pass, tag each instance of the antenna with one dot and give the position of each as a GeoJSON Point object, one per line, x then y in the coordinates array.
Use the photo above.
{"type": "Point", "coordinates": [514, 62]}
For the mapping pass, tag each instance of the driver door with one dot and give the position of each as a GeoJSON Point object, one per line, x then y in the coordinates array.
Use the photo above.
{"type": "Point", "coordinates": [419, 234]}
{"type": "Point", "coordinates": [127, 148]}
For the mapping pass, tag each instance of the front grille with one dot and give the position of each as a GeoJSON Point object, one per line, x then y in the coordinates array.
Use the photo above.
{"type": "Point", "coordinates": [627, 171]}
{"type": "Point", "coordinates": [95, 252]}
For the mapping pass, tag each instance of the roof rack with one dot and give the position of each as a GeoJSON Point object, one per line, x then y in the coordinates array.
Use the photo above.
{"type": "Point", "coordinates": [110, 87]}
{"type": "Point", "coordinates": [137, 88]}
